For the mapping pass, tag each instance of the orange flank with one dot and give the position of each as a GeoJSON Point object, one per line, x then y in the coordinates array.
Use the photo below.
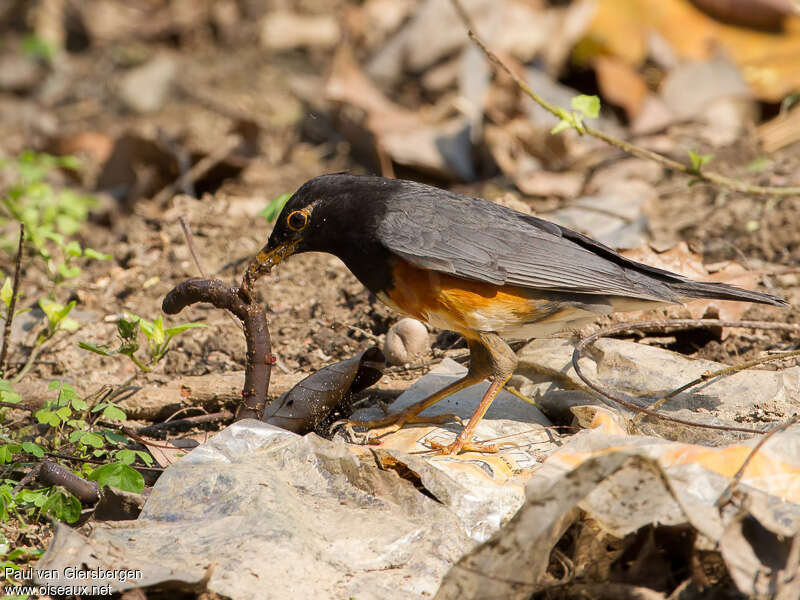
{"type": "Point", "coordinates": [464, 305]}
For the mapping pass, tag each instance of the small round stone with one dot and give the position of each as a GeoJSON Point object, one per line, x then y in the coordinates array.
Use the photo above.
{"type": "Point", "coordinates": [406, 340]}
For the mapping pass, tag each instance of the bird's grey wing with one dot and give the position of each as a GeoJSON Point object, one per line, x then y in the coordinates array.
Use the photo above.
{"type": "Point", "coordinates": [474, 239]}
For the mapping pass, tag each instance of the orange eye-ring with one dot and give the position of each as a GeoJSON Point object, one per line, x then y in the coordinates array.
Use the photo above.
{"type": "Point", "coordinates": [297, 220]}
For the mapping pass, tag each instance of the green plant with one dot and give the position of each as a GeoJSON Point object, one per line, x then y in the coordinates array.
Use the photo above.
{"type": "Point", "coordinates": [50, 215]}
{"type": "Point", "coordinates": [585, 106]}
{"type": "Point", "coordinates": [6, 292]}
{"type": "Point", "coordinates": [127, 331]}
{"type": "Point", "coordinates": [698, 160]}
{"type": "Point", "coordinates": [57, 320]}
{"type": "Point", "coordinates": [274, 208]}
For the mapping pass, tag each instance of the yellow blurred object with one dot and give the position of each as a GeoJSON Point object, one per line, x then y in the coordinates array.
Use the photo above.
{"type": "Point", "coordinates": [769, 61]}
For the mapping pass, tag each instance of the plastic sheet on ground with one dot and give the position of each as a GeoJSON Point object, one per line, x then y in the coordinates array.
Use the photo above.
{"type": "Point", "coordinates": [642, 372]}
{"type": "Point", "coordinates": [623, 483]}
{"type": "Point", "coordinates": [259, 512]}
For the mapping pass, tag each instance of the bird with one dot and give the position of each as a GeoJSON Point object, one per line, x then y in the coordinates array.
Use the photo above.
{"type": "Point", "coordinates": [465, 264]}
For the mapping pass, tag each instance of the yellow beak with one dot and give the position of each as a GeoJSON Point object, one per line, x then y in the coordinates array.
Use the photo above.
{"type": "Point", "coordinates": [264, 261]}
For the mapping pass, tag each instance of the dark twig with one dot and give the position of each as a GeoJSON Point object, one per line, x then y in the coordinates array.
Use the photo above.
{"type": "Point", "coordinates": [12, 307]}
{"type": "Point", "coordinates": [29, 476]}
{"type": "Point", "coordinates": [649, 325]}
{"type": "Point", "coordinates": [256, 333]}
{"type": "Point", "coordinates": [737, 477]}
{"type": "Point", "coordinates": [97, 461]}
{"type": "Point", "coordinates": [718, 373]}
{"type": "Point", "coordinates": [628, 147]}
{"type": "Point", "coordinates": [210, 418]}
{"type": "Point", "coordinates": [187, 233]}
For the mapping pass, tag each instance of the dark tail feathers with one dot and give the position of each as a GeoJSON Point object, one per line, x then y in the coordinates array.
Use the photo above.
{"type": "Point", "coordinates": [723, 291]}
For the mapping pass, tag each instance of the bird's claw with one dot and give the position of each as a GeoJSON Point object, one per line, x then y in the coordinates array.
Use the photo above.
{"type": "Point", "coordinates": [391, 423]}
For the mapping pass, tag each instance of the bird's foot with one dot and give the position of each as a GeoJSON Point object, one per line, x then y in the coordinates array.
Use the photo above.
{"type": "Point", "coordinates": [391, 423]}
{"type": "Point", "coordinates": [463, 446]}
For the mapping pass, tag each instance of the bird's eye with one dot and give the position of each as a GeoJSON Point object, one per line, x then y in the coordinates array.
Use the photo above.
{"type": "Point", "coordinates": [297, 220]}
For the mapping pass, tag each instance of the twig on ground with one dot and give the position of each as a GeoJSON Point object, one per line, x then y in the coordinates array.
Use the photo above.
{"type": "Point", "coordinates": [650, 325]}
{"type": "Point", "coordinates": [13, 305]}
{"type": "Point", "coordinates": [709, 375]}
{"type": "Point", "coordinates": [628, 147]}
{"type": "Point", "coordinates": [223, 415]}
{"type": "Point", "coordinates": [256, 333]}
{"type": "Point", "coordinates": [29, 476]}
{"type": "Point", "coordinates": [737, 477]}
{"type": "Point", "coordinates": [187, 233]}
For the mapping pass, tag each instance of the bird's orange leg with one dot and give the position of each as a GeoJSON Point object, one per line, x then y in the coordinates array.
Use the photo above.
{"type": "Point", "coordinates": [478, 371]}
{"type": "Point", "coordinates": [391, 423]}
{"type": "Point", "coordinates": [503, 361]}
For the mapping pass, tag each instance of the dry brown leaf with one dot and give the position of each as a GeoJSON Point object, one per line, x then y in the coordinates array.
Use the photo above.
{"type": "Point", "coordinates": [765, 14]}
{"type": "Point", "coordinates": [768, 60]}
{"type": "Point", "coordinates": [620, 84]}
{"type": "Point", "coordinates": [781, 131]}
{"type": "Point", "coordinates": [679, 259]}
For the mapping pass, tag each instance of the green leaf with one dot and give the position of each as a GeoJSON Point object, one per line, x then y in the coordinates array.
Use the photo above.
{"type": "Point", "coordinates": [589, 106]}
{"type": "Point", "coordinates": [115, 438]}
{"type": "Point", "coordinates": [48, 417]}
{"type": "Point", "coordinates": [127, 328]}
{"type": "Point", "coordinates": [126, 457]}
{"type": "Point", "coordinates": [62, 506]}
{"type": "Point", "coordinates": [145, 457]}
{"type": "Point", "coordinates": [79, 403]}
{"type": "Point", "coordinates": [91, 439]}
{"type": "Point", "coordinates": [96, 349]}
{"type": "Point", "coordinates": [91, 253]}
{"type": "Point", "coordinates": [173, 331]}
{"type": "Point", "coordinates": [57, 314]}
{"type": "Point", "coordinates": [34, 449]}
{"type": "Point", "coordinates": [73, 248]}
{"type": "Point", "coordinates": [561, 126]}
{"type": "Point", "coordinates": [698, 160]}
{"type": "Point", "coordinates": [114, 413]}
{"type": "Point", "coordinates": [758, 165]}
{"type": "Point", "coordinates": [119, 476]}
{"type": "Point", "coordinates": [7, 393]}
{"type": "Point", "coordinates": [6, 292]}
{"type": "Point", "coordinates": [274, 208]}
{"type": "Point", "coordinates": [7, 452]}
{"type": "Point", "coordinates": [147, 327]}
{"type": "Point", "coordinates": [68, 272]}
{"type": "Point", "coordinates": [37, 48]}
{"type": "Point", "coordinates": [65, 412]}
{"type": "Point", "coordinates": [68, 324]}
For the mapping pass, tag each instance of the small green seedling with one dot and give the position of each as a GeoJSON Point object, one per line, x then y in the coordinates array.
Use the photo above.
{"type": "Point", "coordinates": [57, 318]}
{"type": "Point", "coordinates": [698, 160]}
{"type": "Point", "coordinates": [51, 215]}
{"type": "Point", "coordinates": [127, 331]}
{"type": "Point", "coordinates": [584, 106]}
{"type": "Point", "coordinates": [274, 208]}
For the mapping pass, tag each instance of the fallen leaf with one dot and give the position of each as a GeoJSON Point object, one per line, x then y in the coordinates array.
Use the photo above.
{"type": "Point", "coordinates": [304, 406]}
{"type": "Point", "coordinates": [679, 259]}
{"type": "Point", "coordinates": [621, 84]}
{"type": "Point", "coordinates": [766, 59]}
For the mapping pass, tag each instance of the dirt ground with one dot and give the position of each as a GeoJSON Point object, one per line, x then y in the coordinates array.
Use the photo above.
{"type": "Point", "coordinates": [255, 120]}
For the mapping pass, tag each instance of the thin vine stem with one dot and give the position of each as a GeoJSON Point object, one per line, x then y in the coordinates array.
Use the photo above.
{"type": "Point", "coordinates": [630, 148]}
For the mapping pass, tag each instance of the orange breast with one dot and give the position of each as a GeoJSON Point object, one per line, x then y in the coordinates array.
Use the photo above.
{"type": "Point", "coordinates": [462, 305]}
